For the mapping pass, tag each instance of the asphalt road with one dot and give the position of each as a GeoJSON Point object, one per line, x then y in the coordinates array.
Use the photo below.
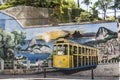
{"type": "Point", "coordinates": [53, 77]}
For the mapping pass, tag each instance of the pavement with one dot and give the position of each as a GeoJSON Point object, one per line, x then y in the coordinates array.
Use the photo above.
{"type": "Point", "coordinates": [53, 77]}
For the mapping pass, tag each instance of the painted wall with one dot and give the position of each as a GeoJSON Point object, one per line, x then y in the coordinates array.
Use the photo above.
{"type": "Point", "coordinates": [10, 24]}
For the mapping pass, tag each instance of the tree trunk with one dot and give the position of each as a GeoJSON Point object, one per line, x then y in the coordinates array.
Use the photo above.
{"type": "Point", "coordinates": [115, 13]}
{"type": "Point", "coordinates": [78, 3]}
{"type": "Point", "coordinates": [88, 8]}
{"type": "Point", "coordinates": [104, 15]}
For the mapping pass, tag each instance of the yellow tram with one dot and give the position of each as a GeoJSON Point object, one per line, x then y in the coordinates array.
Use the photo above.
{"type": "Point", "coordinates": [69, 55]}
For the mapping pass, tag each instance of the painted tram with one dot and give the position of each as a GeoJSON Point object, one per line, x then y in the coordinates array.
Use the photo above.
{"type": "Point", "coordinates": [68, 56]}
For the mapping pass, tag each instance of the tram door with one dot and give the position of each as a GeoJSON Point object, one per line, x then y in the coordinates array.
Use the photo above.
{"type": "Point", "coordinates": [75, 56]}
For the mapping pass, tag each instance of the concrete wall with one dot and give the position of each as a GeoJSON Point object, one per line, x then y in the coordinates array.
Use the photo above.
{"type": "Point", "coordinates": [119, 33]}
{"type": "Point", "coordinates": [28, 16]}
{"type": "Point", "coordinates": [112, 69]}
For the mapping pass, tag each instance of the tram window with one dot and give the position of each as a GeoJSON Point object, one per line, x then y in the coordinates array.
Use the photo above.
{"type": "Point", "coordinates": [88, 51]}
{"type": "Point", "coordinates": [54, 49]}
{"type": "Point", "coordinates": [65, 47]}
{"type": "Point", "coordinates": [75, 50]}
{"type": "Point", "coordinates": [59, 49]}
{"type": "Point", "coordinates": [79, 59]}
{"type": "Point", "coordinates": [96, 52]}
{"type": "Point", "coordinates": [92, 60]}
{"type": "Point", "coordinates": [70, 50]}
{"type": "Point", "coordinates": [89, 59]}
{"type": "Point", "coordinates": [91, 51]}
{"type": "Point", "coordinates": [83, 50]}
{"type": "Point", "coordinates": [79, 50]}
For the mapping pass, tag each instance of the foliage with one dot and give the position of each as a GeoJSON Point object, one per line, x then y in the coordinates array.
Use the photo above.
{"type": "Point", "coordinates": [94, 13]}
{"type": "Point", "coordinates": [69, 4]}
{"type": "Point", "coordinates": [19, 37]}
{"type": "Point", "coordinates": [66, 10]}
{"type": "Point", "coordinates": [87, 2]}
{"type": "Point", "coordinates": [110, 19]}
{"type": "Point", "coordinates": [8, 42]}
{"type": "Point", "coordinates": [57, 5]}
{"type": "Point", "coordinates": [75, 13]}
{"type": "Point", "coordinates": [5, 6]}
{"type": "Point", "coordinates": [43, 3]}
{"type": "Point", "coordinates": [66, 17]}
{"type": "Point", "coordinates": [116, 4]}
{"type": "Point", "coordinates": [84, 16]}
{"type": "Point", "coordinates": [103, 4]}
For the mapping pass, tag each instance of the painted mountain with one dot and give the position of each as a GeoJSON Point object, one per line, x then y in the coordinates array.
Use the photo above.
{"type": "Point", "coordinates": [103, 35]}
{"type": "Point", "coordinates": [106, 42]}
{"type": "Point", "coordinates": [38, 48]}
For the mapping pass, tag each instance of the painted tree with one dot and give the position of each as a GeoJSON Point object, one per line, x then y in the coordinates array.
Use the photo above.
{"type": "Point", "coordinates": [8, 42]}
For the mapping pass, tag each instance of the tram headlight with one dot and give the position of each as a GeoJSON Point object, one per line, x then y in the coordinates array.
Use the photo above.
{"type": "Point", "coordinates": [59, 62]}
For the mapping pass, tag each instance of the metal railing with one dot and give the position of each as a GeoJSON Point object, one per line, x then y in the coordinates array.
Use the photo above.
{"type": "Point", "coordinates": [108, 61]}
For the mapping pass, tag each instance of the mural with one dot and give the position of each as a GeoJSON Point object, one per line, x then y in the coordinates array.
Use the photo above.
{"type": "Point", "coordinates": [102, 37]}
{"type": "Point", "coordinates": [39, 41]}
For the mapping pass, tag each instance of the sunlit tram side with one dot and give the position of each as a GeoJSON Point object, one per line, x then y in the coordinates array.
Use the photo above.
{"type": "Point", "coordinates": [68, 55]}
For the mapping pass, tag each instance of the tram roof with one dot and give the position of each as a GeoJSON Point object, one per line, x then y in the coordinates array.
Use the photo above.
{"type": "Point", "coordinates": [62, 40]}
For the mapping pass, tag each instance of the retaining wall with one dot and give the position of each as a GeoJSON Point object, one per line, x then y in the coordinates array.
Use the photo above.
{"type": "Point", "coordinates": [110, 69]}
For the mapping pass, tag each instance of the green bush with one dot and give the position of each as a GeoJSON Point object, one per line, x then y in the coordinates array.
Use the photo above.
{"type": "Point", "coordinates": [5, 6]}
{"type": "Point", "coordinates": [84, 16]}
{"type": "Point", "coordinates": [75, 13]}
{"type": "Point", "coordinates": [110, 19]}
{"type": "Point", "coordinates": [66, 16]}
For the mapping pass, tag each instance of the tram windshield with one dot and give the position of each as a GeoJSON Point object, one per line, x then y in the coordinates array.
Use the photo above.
{"type": "Point", "coordinates": [60, 50]}
{"type": "Point", "coordinates": [65, 49]}
{"type": "Point", "coordinates": [55, 49]}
